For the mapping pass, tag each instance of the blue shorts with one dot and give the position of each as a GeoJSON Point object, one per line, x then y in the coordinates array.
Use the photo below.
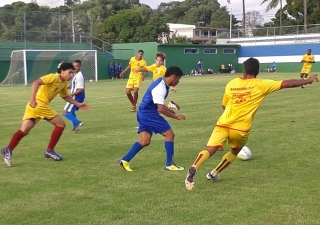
{"type": "Point", "coordinates": [152, 123]}
{"type": "Point", "coordinates": [71, 108]}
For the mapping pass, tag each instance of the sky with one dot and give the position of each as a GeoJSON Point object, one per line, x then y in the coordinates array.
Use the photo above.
{"type": "Point", "coordinates": [236, 6]}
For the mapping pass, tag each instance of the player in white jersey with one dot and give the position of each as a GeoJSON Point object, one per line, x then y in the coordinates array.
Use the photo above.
{"type": "Point", "coordinates": [76, 92]}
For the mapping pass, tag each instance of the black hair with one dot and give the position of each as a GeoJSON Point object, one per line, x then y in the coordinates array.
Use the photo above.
{"type": "Point", "coordinates": [251, 66]}
{"type": "Point", "coordinates": [141, 51]}
{"type": "Point", "coordinates": [173, 70]}
{"type": "Point", "coordinates": [65, 66]}
{"type": "Point", "coordinates": [77, 61]}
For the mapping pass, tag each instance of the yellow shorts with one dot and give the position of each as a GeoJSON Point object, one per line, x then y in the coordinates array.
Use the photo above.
{"type": "Point", "coordinates": [42, 111]}
{"type": "Point", "coordinates": [305, 70]}
{"type": "Point", "coordinates": [133, 83]}
{"type": "Point", "coordinates": [235, 138]}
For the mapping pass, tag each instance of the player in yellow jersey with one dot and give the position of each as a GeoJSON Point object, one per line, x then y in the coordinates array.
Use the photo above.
{"type": "Point", "coordinates": [158, 70]}
{"type": "Point", "coordinates": [135, 78]}
{"type": "Point", "coordinates": [241, 100]}
{"type": "Point", "coordinates": [307, 61]}
{"type": "Point", "coordinates": [43, 91]}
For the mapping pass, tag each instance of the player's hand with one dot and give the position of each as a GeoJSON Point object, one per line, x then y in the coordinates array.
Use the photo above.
{"type": "Point", "coordinates": [33, 103]}
{"type": "Point", "coordinates": [173, 89]}
{"type": "Point", "coordinates": [180, 117]}
{"type": "Point", "coordinates": [142, 79]}
{"type": "Point", "coordinates": [313, 78]}
{"type": "Point", "coordinates": [84, 106]}
{"type": "Point", "coordinates": [121, 75]}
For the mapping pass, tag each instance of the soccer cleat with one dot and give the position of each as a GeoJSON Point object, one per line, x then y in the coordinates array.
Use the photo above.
{"type": "Point", "coordinates": [125, 165]}
{"type": "Point", "coordinates": [77, 128]}
{"type": "Point", "coordinates": [134, 108]}
{"type": "Point", "coordinates": [210, 176]}
{"type": "Point", "coordinates": [189, 181]}
{"type": "Point", "coordinates": [303, 86]}
{"type": "Point", "coordinates": [6, 156]}
{"type": "Point", "coordinates": [173, 167]}
{"type": "Point", "coordinates": [173, 105]}
{"type": "Point", "coordinates": [52, 155]}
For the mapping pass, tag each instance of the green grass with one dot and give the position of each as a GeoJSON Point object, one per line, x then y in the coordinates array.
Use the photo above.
{"type": "Point", "coordinates": [279, 185]}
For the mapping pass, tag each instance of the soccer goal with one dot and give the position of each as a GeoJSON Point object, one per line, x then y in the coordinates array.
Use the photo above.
{"type": "Point", "coordinates": [28, 65]}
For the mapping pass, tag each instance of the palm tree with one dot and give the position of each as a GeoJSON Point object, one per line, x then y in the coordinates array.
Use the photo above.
{"type": "Point", "coordinates": [273, 4]}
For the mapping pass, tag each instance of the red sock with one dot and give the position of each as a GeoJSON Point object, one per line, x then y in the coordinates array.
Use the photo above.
{"type": "Point", "coordinates": [16, 138]}
{"type": "Point", "coordinates": [55, 136]}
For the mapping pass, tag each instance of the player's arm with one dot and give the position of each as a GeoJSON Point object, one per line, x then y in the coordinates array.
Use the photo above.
{"type": "Point", "coordinates": [141, 70]}
{"type": "Point", "coordinates": [34, 89]}
{"type": "Point", "coordinates": [82, 105]}
{"type": "Point", "coordinates": [297, 83]}
{"type": "Point", "coordinates": [125, 70]}
{"type": "Point", "coordinates": [78, 91]}
{"type": "Point", "coordinates": [169, 113]}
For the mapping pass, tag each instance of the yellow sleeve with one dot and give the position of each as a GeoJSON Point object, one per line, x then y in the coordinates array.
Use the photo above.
{"type": "Point", "coordinates": [313, 59]}
{"type": "Point", "coordinates": [131, 61]}
{"type": "Point", "coordinates": [48, 79]}
{"type": "Point", "coordinates": [225, 100]}
{"type": "Point", "coordinates": [144, 63]}
{"type": "Point", "coordinates": [270, 86]}
{"type": "Point", "coordinates": [64, 91]}
{"type": "Point", "coordinates": [151, 68]}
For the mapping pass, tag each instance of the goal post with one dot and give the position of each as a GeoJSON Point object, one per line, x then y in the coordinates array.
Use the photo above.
{"type": "Point", "coordinates": [28, 65]}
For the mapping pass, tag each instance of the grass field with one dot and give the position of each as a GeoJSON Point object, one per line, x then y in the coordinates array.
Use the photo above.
{"type": "Point", "coordinates": [279, 185]}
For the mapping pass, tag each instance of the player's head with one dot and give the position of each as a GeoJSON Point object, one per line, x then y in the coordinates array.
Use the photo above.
{"type": "Point", "coordinates": [251, 67]}
{"type": "Point", "coordinates": [309, 52]}
{"type": "Point", "coordinates": [66, 71]}
{"type": "Point", "coordinates": [160, 57]}
{"type": "Point", "coordinates": [173, 75]}
{"type": "Point", "coordinates": [77, 66]}
{"type": "Point", "coordinates": [139, 54]}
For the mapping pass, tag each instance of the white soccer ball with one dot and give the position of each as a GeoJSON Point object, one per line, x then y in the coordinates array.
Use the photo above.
{"type": "Point", "coordinates": [245, 153]}
{"type": "Point", "coordinates": [90, 80]}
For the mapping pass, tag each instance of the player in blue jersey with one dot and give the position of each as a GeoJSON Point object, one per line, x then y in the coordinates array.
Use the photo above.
{"type": "Point", "coordinates": [150, 121]}
{"type": "Point", "coordinates": [77, 93]}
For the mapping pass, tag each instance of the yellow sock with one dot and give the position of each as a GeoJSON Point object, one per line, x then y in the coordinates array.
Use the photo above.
{"type": "Point", "coordinates": [227, 159]}
{"type": "Point", "coordinates": [203, 156]}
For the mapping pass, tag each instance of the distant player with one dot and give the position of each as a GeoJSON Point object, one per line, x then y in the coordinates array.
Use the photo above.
{"type": "Point", "coordinates": [150, 121]}
{"type": "Point", "coordinates": [77, 93]}
{"type": "Point", "coordinates": [158, 70]}
{"type": "Point", "coordinates": [242, 98]}
{"type": "Point", "coordinates": [135, 79]}
{"type": "Point", "coordinates": [307, 61]}
{"type": "Point", "coordinates": [43, 91]}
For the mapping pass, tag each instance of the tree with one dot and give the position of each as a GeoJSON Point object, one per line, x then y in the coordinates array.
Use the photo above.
{"type": "Point", "coordinates": [273, 4]}
{"type": "Point", "coordinates": [243, 16]}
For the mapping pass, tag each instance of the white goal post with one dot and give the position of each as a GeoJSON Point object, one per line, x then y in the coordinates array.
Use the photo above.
{"type": "Point", "coordinates": [28, 65]}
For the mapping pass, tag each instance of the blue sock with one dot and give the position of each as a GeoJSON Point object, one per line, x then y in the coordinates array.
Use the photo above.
{"type": "Point", "coordinates": [136, 147]}
{"type": "Point", "coordinates": [169, 146]}
{"type": "Point", "coordinates": [73, 118]}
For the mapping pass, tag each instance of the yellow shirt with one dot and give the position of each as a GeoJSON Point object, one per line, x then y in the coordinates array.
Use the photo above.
{"type": "Point", "coordinates": [136, 64]}
{"type": "Point", "coordinates": [310, 58]}
{"type": "Point", "coordinates": [242, 98]}
{"type": "Point", "coordinates": [158, 71]}
{"type": "Point", "coordinates": [52, 85]}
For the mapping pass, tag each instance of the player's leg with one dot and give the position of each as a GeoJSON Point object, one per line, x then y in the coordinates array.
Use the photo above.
{"type": "Point", "coordinates": [129, 88]}
{"type": "Point", "coordinates": [145, 139]}
{"type": "Point", "coordinates": [136, 86]}
{"type": "Point", "coordinates": [59, 126]}
{"type": "Point", "coordinates": [169, 147]}
{"type": "Point", "coordinates": [237, 139]}
{"type": "Point", "coordinates": [69, 113]}
{"type": "Point", "coordinates": [216, 142]}
{"type": "Point", "coordinates": [24, 130]}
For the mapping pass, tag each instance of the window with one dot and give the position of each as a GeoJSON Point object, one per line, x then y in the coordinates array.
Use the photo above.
{"type": "Point", "coordinates": [205, 33]}
{"type": "Point", "coordinates": [229, 51]}
{"type": "Point", "coordinates": [210, 51]}
{"type": "Point", "coordinates": [191, 51]}
{"type": "Point", "coordinates": [197, 33]}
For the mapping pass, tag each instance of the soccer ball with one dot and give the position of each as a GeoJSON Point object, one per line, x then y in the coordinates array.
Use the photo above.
{"type": "Point", "coordinates": [245, 153]}
{"type": "Point", "coordinates": [90, 80]}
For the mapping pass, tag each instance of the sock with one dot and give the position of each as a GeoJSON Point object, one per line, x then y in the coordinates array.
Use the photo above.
{"type": "Point", "coordinates": [169, 146]}
{"type": "Point", "coordinates": [73, 118]}
{"type": "Point", "coordinates": [16, 138]}
{"type": "Point", "coordinates": [136, 147]}
{"type": "Point", "coordinates": [55, 136]}
{"type": "Point", "coordinates": [203, 156]}
{"type": "Point", "coordinates": [227, 159]}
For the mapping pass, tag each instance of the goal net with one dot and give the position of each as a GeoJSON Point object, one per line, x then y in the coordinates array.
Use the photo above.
{"type": "Point", "coordinates": [28, 65]}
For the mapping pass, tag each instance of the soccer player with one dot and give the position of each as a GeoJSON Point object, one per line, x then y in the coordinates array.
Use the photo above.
{"type": "Point", "coordinates": [307, 61]}
{"type": "Point", "coordinates": [43, 91]}
{"type": "Point", "coordinates": [150, 121]}
{"type": "Point", "coordinates": [111, 70]}
{"type": "Point", "coordinates": [241, 100]}
{"type": "Point", "coordinates": [77, 93]}
{"type": "Point", "coordinates": [135, 79]}
{"type": "Point", "coordinates": [158, 70]}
